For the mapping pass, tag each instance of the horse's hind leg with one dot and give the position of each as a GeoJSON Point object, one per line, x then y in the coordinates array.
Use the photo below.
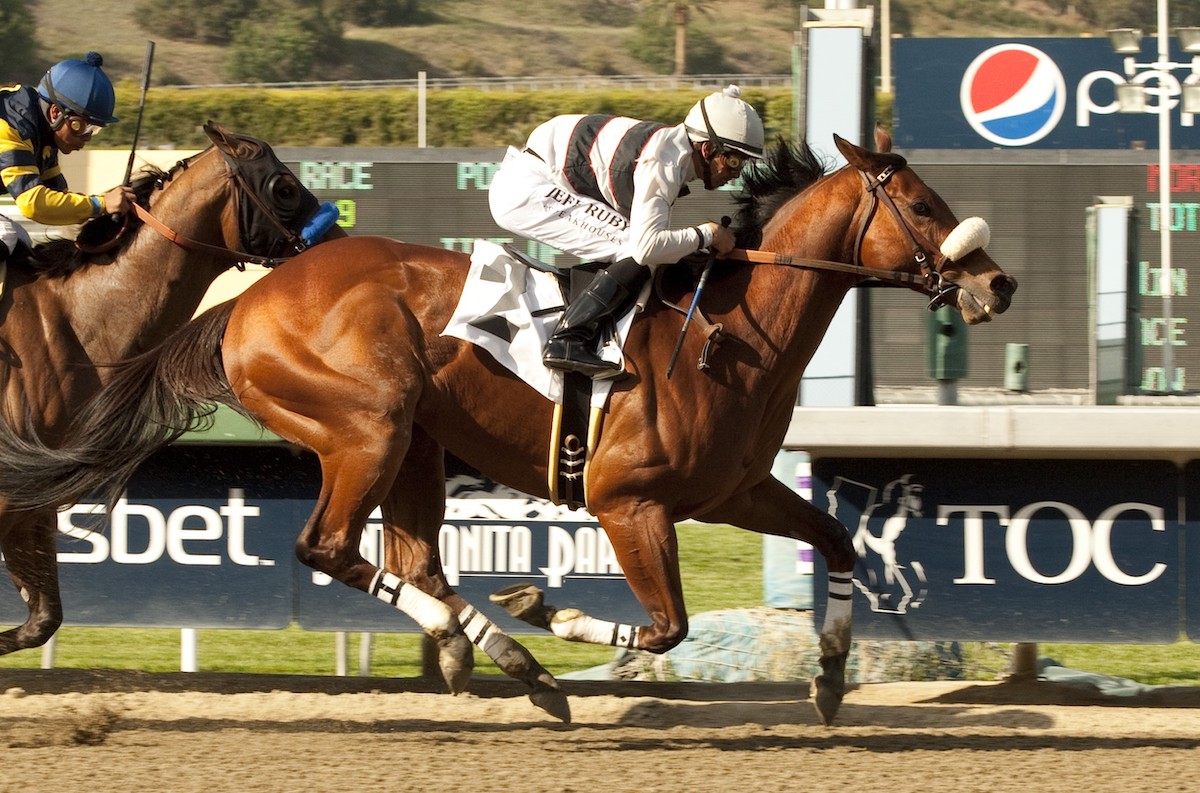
{"type": "Point", "coordinates": [30, 553]}
{"type": "Point", "coordinates": [418, 495]}
{"type": "Point", "coordinates": [354, 479]}
{"type": "Point", "coordinates": [644, 540]}
{"type": "Point", "coordinates": [771, 507]}
{"type": "Point", "coordinates": [412, 519]}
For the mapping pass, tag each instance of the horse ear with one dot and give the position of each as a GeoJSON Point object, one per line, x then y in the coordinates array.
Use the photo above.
{"type": "Point", "coordinates": [856, 156]}
{"type": "Point", "coordinates": [865, 160]}
{"type": "Point", "coordinates": [883, 139]}
{"type": "Point", "coordinates": [883, 142]}
{"type": "Point", "coordinates": [235, 146]}
{"type": "Point", "coordinates": [222, 138]}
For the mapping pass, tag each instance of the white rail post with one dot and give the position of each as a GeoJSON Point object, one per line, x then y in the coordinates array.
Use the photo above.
{"type": "Point", "coordinates": [340, 653]}
{"type": "Point", "coordinates": [187, 650]}
{"type": "Point", "coordinates": [48, 650]}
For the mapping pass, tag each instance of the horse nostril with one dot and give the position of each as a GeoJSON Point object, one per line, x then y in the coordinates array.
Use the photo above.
{"type": "Point", "coordinates": [1004, 285]}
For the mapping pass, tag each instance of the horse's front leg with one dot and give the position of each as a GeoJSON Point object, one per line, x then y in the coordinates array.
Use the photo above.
{"type": "Point", "coordinates": [771, 507]}
{"type": "Point", "coordinates": [30, 553]}
{"type": "Point", "coordinates": [643, 539]}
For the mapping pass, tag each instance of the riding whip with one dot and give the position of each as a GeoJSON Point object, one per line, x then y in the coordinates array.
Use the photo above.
{"type": "Point", "coordinates": [141, 110]}
{"type": "Point", "coordinates": [687, 320]}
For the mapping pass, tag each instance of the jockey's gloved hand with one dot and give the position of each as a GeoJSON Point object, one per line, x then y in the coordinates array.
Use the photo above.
{"type": "Point", "coordinates": [722, 238]}
{"type": "Point", "coordinates": [119, 200]}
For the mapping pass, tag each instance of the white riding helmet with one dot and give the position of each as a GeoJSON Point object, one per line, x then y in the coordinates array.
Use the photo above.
{"type": "Point", "coordinates": [728, 121]}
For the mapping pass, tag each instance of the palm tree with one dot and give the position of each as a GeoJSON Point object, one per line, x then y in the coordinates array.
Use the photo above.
{"type": "Point", "coordinates": [681, 13]}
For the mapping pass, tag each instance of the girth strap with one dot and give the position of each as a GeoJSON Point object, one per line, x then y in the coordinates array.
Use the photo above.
{"type": "Point", "coordinates": [574, 433]}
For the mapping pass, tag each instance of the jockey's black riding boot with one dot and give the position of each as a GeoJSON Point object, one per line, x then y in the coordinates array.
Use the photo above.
{"type": "Point", "coordinates": [572, 345]}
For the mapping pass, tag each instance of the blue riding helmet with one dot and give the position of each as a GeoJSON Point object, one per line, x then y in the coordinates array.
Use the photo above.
{"type": "Point", "coordinates": [81, 88]}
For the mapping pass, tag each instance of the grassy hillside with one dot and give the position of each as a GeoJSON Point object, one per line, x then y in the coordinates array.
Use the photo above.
{"type": "Point", "coordinates": [466, 38]}
{"type": "Point", "coordinates": [517, 38]}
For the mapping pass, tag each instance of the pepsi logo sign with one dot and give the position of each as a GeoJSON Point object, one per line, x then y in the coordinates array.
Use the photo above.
{"type": "Point", "coordinates": [1013, 95]}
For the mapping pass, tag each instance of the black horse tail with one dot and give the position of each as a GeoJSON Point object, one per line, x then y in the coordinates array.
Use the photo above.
{"type": "Point", "coordinates": [151, 400]}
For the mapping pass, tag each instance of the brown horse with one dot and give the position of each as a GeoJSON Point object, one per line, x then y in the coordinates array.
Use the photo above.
{"type": "Point", "coordinates": [66, 316]}
{"type": "Point", "coordinates": [340, 351]}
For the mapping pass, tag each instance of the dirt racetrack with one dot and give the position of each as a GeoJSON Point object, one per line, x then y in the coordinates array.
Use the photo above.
{"type": "Point", "coordinates": [94, 730]}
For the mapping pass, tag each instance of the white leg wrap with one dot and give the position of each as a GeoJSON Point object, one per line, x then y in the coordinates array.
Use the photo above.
{"type": "Point", "coordinates": [573, 625]}
{"type": "Point", "coordinates": [482, 632]}
{"type": "Point", "coordinates": [838, 611]}
{"type": "Point", "coordinates": [429, 612]}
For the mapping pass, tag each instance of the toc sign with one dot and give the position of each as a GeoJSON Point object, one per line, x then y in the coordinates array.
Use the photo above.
{"type": "Point", "coordinates": [991, 550]}
{"type": "Point", "coordinates": [1024, 93]}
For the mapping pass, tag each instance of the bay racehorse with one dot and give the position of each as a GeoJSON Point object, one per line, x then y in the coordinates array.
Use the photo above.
{"type": "Point", "coordinates": [65, 316]}
{"type": "Point", "coordinates": [340, 351]}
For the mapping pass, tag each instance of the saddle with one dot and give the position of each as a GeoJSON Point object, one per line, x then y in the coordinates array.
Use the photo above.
{"type": "Point", "coordinates": [573, 281]}
{"type": "Point", "coordinates": [509, 306]}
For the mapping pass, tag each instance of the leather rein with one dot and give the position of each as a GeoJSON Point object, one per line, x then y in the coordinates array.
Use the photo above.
{"type": "Point", "coordinates": [929, 279]}
{"type": "Point", "coordinates": [238, 258]}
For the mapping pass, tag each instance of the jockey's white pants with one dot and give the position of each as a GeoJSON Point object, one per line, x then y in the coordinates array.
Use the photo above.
{"type": "Point", "coordinates": [11, 234]}
{"type": "Point", "coordinates": [526, 200]}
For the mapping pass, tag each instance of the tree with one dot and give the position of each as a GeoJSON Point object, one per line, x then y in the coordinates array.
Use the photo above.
{"type": "Point", "coordinates": [681, 13]}
{"type": "Point", "coordinates": [19, 46]}
{"type": "Point", "coordinates": [650, 41]}
{"type": "Point", "coordinates": [381, 13]}
{"type": "Point", "coordinates": [288, 41]}
{"type": "Point", "coordinates": [211, 22]}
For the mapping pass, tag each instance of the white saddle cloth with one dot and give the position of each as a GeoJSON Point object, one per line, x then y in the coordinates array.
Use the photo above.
{"type": "Point", "coordinates": [503, 309]}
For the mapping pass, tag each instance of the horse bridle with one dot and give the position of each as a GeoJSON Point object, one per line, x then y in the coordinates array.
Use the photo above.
{"type": "Point", "coordinates": [930, 279]}
{"type": "Point", "coordinates": [919, 244]}
{"type": "Point", "coordinates": [238, 258]}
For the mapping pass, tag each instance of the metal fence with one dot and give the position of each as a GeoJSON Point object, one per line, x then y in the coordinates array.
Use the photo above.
{"type": "Point", "coordinates": [543, 83]}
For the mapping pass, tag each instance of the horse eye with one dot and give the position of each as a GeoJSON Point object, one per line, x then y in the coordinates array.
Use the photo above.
{"type": "Point", "coordinates": [921, 208]}
{"type": "Point", "coordinates": [285, 190]}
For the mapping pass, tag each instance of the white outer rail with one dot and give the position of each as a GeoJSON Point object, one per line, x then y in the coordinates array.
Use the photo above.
{"type": "Point", "coordinates": [1000, 431]}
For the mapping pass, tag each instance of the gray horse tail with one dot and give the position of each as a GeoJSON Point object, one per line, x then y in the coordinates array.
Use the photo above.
{"type": "Point", "coordinates": [150, 400]}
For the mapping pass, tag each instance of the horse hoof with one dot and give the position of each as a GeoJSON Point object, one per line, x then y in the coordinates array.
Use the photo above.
{"type": "Point", "coordinates": [456, 660]}
{"type": "Point", "coordinates": [549, 697]}
{"type": "Point", "coordinates": [525, 602]}
{"type": "Point", "coordinates": [830, 687]}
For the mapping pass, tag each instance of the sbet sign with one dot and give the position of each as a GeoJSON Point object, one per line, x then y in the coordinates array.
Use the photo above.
{"type": "Point", "coordinates": [139, 534]}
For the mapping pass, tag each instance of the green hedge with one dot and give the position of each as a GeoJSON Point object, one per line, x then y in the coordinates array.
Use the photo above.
{"type": "Point", "coordinates": [388, 117]}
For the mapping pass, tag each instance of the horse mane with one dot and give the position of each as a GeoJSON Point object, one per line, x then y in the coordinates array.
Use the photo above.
{"type": "Point", "coordinates": [61, 257]}
{"type": "Point", "coordinates": [785, 170]}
